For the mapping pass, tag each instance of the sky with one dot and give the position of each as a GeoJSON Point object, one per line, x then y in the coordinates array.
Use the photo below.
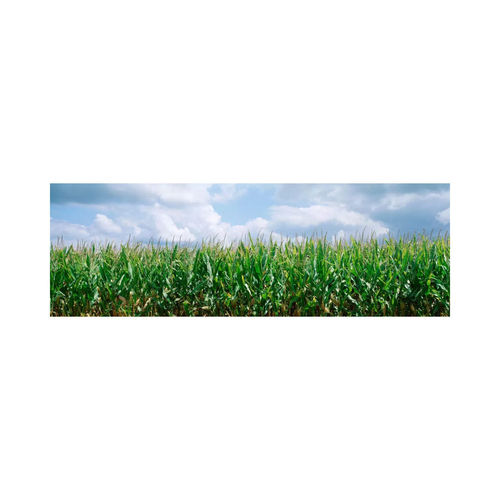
{"type": "Point", "coordinates": [191, 213]}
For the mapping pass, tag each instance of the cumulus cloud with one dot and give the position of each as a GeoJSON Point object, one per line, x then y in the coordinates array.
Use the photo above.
{"type": "Point", "coordinates": [223, 193]}
{"type": "Point", "coordinates": [444, 216]}
{"type": "Point", "coordinates": [186, 212]}
{"type": "Point", "coordinates": [105, 225]}
{"type": "Point", "coordinates": [68, 231]}
{"type": "Point", "coordinates": [188, 224]}
{"type": "Point", "coordinates": [139, 211]}
{"type": "Point", "coordinates": [365, 197]}
{"type": "Point", "coordinates": [397, 201]}
{"type": "Point", "coordinates": [102, 229]}
{"type": "Point", "coordinates": [402, 208]}
{"type": "Point", "coordinates": [321, 215]}
{"type": "Point", "coordinates": [257, 227]}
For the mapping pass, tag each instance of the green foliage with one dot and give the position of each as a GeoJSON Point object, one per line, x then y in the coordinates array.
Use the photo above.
{"type": "Point", "coordinates": [404, 277]}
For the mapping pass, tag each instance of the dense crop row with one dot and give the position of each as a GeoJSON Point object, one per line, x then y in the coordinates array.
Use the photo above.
{"type": "Point", "coordinates": [312, 278]}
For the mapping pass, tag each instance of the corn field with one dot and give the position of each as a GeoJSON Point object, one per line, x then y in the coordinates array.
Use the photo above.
{"type": "Point", "coordinates": [396, 277]}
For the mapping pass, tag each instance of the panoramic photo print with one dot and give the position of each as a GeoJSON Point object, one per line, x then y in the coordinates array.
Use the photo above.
{"type": "Point", "coordinates": [249, 250]}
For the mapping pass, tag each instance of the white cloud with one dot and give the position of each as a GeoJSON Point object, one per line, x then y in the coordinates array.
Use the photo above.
{"type": "Point", "coordinates": [316, 215]}
{"type": "Point", "coordinates": [200, 219]}
{"type": "Point", "coordinates": [363, 197]}
{"type": "Point", "coordinates": [68, 230]}
{"type": "Point", "coordinates": [102, 229]}
{"type": "Point", "coordinates": [396, 201]}
{"type": "Point", "coordinates": [157, 222]}
{"type": "Point", "coordinates": [164, 227]}
{"type": "Point", "coordinates": [104, 224]}
{"type": "Point", "coordinates": [185, 212]}
{"type": "Point", "coordinates": [178, 194]}
{"type": "Point", "coordinates": [258, 227]}
{"type": "Point", "coordinates": [443, 216]}
{"type": "Point", "coordinates": [202, 222]}
{"type": "Point", "coordinates": [227, 192]}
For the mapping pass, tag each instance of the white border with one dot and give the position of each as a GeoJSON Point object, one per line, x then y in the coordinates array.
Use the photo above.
{"type": "Point", "coordinates": [242, 408]}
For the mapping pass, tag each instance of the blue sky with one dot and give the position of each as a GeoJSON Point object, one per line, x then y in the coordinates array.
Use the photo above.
{"type": "Point", "coordinates": [193, 212]}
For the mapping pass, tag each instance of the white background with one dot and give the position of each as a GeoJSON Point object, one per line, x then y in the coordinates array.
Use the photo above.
{"type": "Point", "coordinates": [260, 91]}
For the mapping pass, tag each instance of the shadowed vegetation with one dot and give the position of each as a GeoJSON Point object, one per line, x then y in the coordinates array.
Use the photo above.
{"type": "Point", "coordinates": [397, 277]}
